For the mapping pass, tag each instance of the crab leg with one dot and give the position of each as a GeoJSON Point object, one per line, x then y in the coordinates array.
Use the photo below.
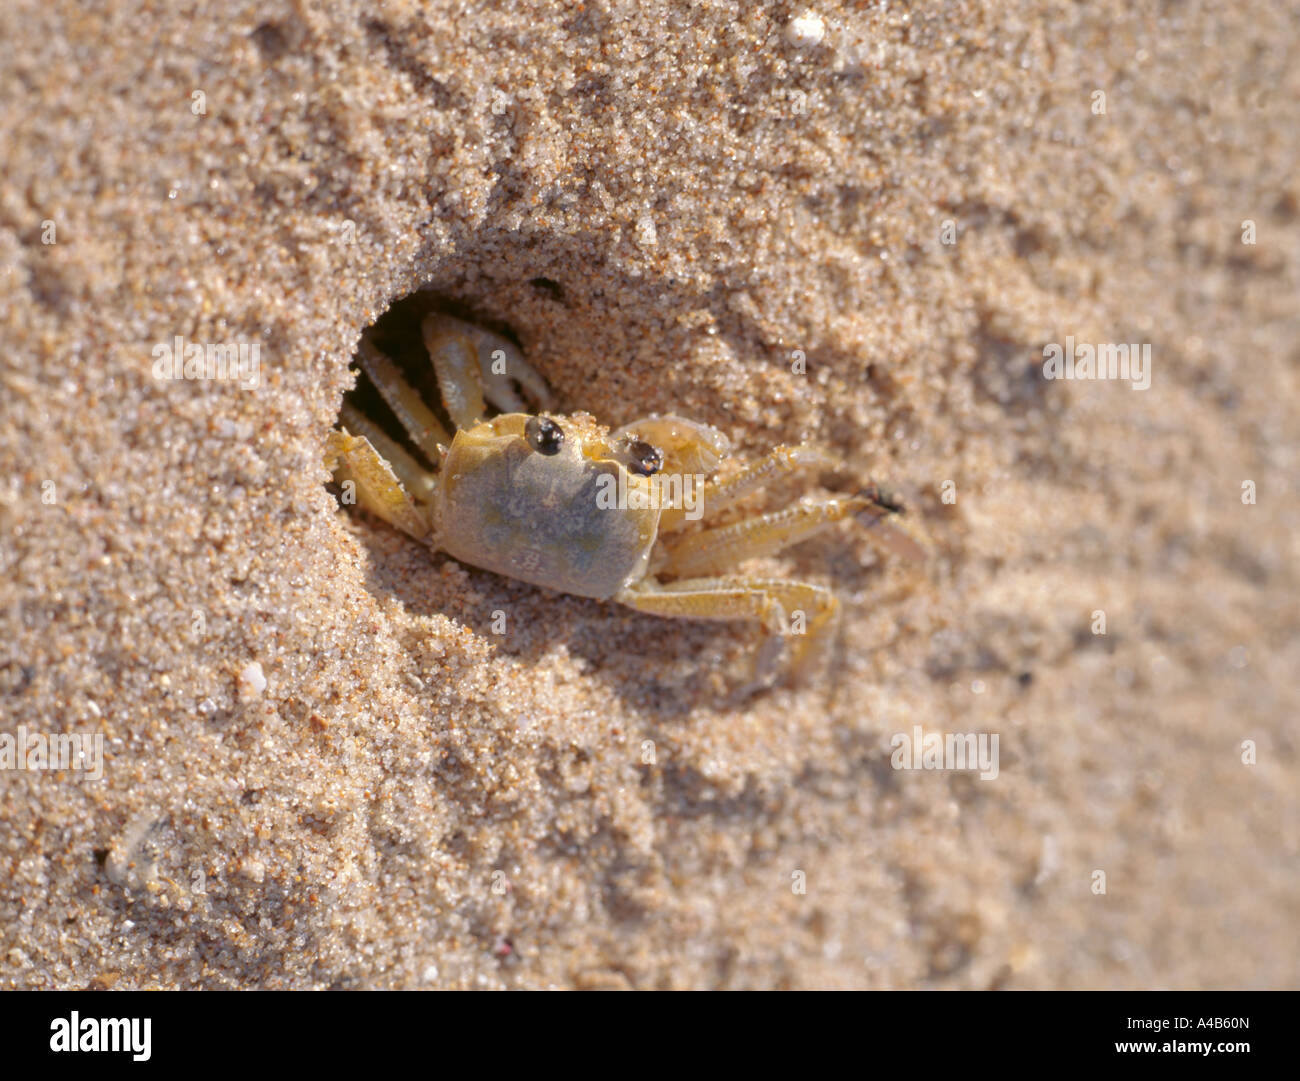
{"type": "Point", "coordinates": [801, 610]}
{"type": "Point", "coordinates": [417, 480]}
{"type": "Point", "coordinates": [456, 363]}
{"type": "Point", "coordinates": [420, 423]}
{"type": "Point", "coordinates": [353, 458]}
{"type": "Point", "coordinates": [495, 352]}
{"type": "Point", "coordinates": [713, 550]}
{"type": "Point", "coordinates": [780, 462]}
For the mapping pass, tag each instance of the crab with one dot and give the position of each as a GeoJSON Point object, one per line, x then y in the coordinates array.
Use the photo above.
{"type": "Point", "coordinates": [563, 502]}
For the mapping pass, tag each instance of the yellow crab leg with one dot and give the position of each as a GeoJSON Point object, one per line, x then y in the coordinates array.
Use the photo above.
{"type": "Point", "coordinates": [493, 352]}
{"type": "Point", "coordinates": [801, 611]}
{"type": "Point", "coordinates": [780, 462]}
{"type": "Point", "coordinates": [417, 480]}
{"type": "Point", "coordinates": [712, 550]}
{"type": "Point", "coordinates": [353, 458]}
{"type": "Point", "coordinates": [422, 426]}
{"type": "Point", "coordinates": [456, 362]}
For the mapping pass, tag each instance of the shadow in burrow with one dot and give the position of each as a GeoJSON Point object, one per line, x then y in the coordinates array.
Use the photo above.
{"type": "Point", "coordinates": [561, 319]}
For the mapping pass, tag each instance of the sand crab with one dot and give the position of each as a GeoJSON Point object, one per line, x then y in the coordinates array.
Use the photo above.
{"type": "Point", "coordinates": [562, 501]}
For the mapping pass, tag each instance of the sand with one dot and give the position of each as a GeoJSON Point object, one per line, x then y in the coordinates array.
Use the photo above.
{"type": "Point", "coordinates": [322, 767]}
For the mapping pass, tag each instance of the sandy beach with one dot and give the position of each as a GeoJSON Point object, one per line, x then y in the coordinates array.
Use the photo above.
{"type": "Point", "coordinates": [323, 767]}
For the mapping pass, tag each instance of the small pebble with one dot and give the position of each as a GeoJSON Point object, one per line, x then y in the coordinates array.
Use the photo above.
{"type": "Point", "coordinates": [806, 30]}
{"type": "Point", "coordinates": [251, 681]}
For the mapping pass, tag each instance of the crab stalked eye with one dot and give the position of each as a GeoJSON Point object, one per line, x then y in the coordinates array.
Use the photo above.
{"type": "Point", "coordinates": [544, 435]}
{"type": "Point", "coordinates": [644, 459]}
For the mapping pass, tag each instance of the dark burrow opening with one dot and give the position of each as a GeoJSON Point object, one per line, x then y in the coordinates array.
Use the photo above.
{"type": "Point", "coordinates": [397, 335]}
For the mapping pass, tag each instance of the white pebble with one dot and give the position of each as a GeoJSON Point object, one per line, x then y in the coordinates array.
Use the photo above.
{"type": "Point", "coordinates": [805, 30]}
{"type": "Point", "coordinates": [647, 236]}
{"type": "Point", "coordinates": [251, 681]}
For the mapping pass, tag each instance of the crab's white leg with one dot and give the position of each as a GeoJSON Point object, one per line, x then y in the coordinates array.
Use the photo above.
{"type": "Point", "coordinates": [780, 462]}
{"type": "Point", "coordinates": [420, 423]}
{"type": "Point", "coordinates": [712, 550]}
{"type": "Point", "coordinates": [353, 458]}
{"type": "Point", "coordinates": [799, 611]}
{"type": "Point", "coordinates": [500, 364]}
{"type": "Point", "coordinates": [456, 364]}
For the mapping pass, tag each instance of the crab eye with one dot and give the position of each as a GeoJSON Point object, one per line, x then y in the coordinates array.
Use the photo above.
{"type": "Point", "coordinates": [646, 460]}
{"type": "Point", "coordinates": [544, 435]}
